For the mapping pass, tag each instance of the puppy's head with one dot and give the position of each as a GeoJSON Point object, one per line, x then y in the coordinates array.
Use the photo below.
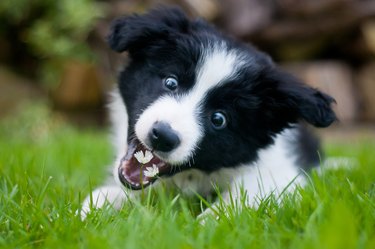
{"type": "Point", "coordinates": [197, 99]}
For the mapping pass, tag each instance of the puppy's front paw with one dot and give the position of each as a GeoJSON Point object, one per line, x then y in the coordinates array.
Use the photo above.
{"type": "Point", "coordinates": [111, 195]}
{"type": "Point", "coordinates": [207, 214]}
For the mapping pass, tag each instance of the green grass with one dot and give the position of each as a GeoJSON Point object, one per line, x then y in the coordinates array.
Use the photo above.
{"type": "Point", "coordinates": [47, 168]}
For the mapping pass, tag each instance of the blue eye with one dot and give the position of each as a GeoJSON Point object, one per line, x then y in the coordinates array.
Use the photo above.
{"type": "Point", "coordinates": [218, 120]}
{"type": "Point", "coordinates": [171, 83]}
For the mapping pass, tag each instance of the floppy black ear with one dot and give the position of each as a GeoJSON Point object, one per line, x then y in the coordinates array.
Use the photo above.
{"type": "Point", "coordinates": [137, 31]}
{"type": "Point", "coordinates": [295, 100]}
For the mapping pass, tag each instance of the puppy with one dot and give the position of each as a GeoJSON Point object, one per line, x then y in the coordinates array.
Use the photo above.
{"type": "Point", "coordinates": [197, 110]}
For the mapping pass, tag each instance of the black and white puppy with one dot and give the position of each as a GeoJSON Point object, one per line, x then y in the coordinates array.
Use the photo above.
{"type": "Point", "coordinates": [196, 109]}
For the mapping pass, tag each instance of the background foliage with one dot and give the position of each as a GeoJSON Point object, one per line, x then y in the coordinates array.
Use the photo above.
{"type": "Point", "coordinates": [54, 31]}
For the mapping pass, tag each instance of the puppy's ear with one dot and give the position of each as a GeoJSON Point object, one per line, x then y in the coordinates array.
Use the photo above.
{"type": "Point", "coordinates": [295, 100]}
{"type": "Point", "coordinates": [137, 31]}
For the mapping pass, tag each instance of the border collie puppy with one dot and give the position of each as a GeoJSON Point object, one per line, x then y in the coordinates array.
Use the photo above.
{"type": "Point", "coordinates": [197, 110]}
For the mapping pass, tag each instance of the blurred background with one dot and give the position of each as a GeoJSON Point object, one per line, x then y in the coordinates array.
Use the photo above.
{"type": "Point", "coordinates": [53, 53]}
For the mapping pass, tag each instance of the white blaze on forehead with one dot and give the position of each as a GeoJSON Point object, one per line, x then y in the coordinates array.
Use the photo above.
{"type": "Point", "coordinates": [217, 65]}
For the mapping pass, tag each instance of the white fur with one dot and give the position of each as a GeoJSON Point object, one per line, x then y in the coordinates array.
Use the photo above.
{"type": "Point", "coordinates": [275, 169]}
{"type": "Point", "coordinates": [119, 118]}
{"type": "Point", "coordinates": [112, 195]}
{"type": "Point", "coordinates": [272, 173]}
{"type": "Point", "coordinates": [217, 65]}
{"type": "Point", "coordinates": [275, 172]}
{"type": "Point", "coordinates": [181, 112]}
{"type": "Point", "coordinates": [181, 117]}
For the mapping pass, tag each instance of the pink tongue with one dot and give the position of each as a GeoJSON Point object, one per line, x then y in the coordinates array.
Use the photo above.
{"type": "Point", "coordinates": [133, 171]}
{"type": "Point", "coordinates": [132, 168]}
{"type": "Point", "coordinates": [134, 175]}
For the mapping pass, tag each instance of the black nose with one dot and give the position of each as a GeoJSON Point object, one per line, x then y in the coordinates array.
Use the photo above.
{"type": "Point", "coordinates": [162, 137]}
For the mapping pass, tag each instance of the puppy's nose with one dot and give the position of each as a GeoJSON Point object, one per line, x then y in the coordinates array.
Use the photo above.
{"type": "Point", "coordinates": [163, 137]}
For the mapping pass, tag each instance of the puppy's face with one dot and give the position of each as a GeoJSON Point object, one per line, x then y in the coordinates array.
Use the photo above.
{"type": "Point", "coordinates": [196, 99]}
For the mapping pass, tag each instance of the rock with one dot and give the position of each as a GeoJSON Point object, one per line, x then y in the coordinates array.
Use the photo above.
{"type": "Point", "coordinates": [334, 78]}
{"type": "Point", "coordinates": [366, 87]}
{"type": "Point", "coordinates": [208, 9]}
{"type": "Point", "coordinates": [302, 8]}
{"type": "Point", "coordinates": [246, 16]}
{"type": "Point", "coordinates": [313, 29]}
{"type": "Point", "coordinates": [332, 23]}
{"type": "Point", "coordinates": [368, 32]}
{"type": "Point", "coordinates": [80, 87]}
{"type": "Point", "coordinates": [15, 90]}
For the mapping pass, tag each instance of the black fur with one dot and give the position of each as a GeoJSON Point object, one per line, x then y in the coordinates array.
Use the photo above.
{"type": "Point", "coordinates": [259, 103]}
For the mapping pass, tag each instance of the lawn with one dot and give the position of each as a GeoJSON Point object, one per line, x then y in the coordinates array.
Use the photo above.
{"type": "Point", "coordinates": [47, 167]}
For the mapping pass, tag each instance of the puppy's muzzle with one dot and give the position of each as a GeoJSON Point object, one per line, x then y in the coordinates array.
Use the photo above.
{"type": "Point", "coordinates": [162, 137]}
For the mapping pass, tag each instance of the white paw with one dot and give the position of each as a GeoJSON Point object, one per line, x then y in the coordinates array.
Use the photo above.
{"type": "Point", "coordinates": [106, 195]}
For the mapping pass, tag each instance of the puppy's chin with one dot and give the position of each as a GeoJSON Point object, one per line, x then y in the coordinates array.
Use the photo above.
{"type": "Point", "coordinates": [137, 175]}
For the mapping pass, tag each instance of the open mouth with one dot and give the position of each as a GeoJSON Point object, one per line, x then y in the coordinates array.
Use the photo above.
{"type": "Point", "coordinates": [140, 167]}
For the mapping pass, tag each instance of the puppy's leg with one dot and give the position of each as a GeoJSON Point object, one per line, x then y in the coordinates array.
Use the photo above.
{"type": "Point", "coordinates": [112, 195]}
{"type": "Point", "coordinates": [251, 184]}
